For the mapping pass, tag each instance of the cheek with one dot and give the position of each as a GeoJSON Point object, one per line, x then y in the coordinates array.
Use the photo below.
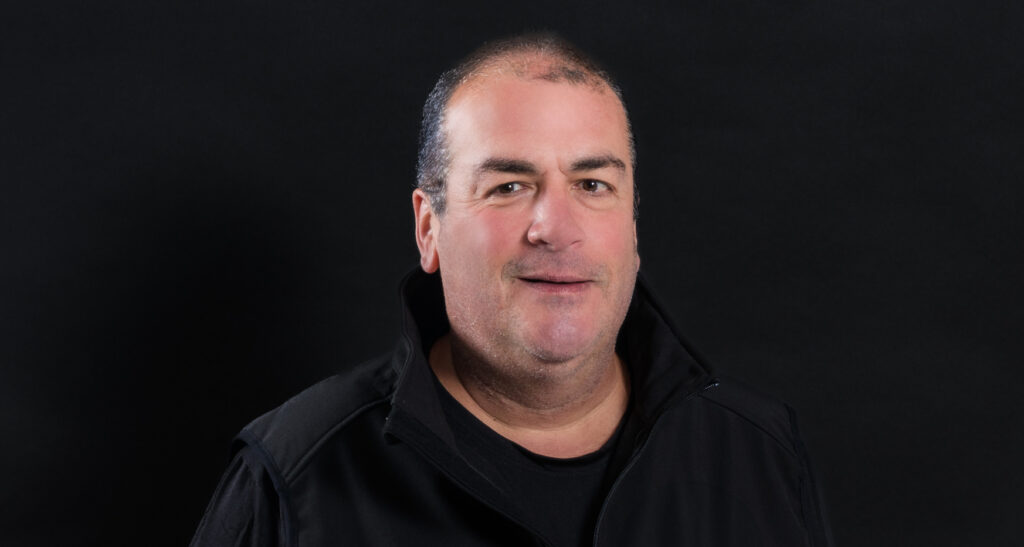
{"type": "Point", "coordinates": [488, 239]}
{"type": "Point", "coordinates": [616, 243]}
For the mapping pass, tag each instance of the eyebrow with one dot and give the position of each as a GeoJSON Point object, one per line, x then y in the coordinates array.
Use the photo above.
{"type": "Point", "coordinates": [506, 165]}
{"type": "Point", "coordinates": [522, 167]}
{"type": "Point", "coordinates": [598, 162]}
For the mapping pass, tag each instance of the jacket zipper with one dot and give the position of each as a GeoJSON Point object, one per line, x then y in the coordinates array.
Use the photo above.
{"type": "Point", "coordinates": [541, 540]}
{"type": "Point", "coordinates": [713, 382]}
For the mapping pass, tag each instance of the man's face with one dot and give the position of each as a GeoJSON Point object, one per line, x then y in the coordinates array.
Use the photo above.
{"type": "Point", "coordinates": [537, 246]}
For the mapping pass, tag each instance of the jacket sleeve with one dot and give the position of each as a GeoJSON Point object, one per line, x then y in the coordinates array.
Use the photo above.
{"type": "Point", "coordinates": [815, 517]}
{"type": "Point", "coordinates": [245, 509]}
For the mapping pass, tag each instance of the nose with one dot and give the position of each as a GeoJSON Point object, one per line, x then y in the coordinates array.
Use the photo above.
{"type": "Point", "coordinates": [554, 225]}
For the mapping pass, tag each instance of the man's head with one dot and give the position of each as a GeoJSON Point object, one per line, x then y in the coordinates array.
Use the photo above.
{"type": "Point", "coordinates": [536, 237]}
{"type": "Point", "coordinates": [568, 65]}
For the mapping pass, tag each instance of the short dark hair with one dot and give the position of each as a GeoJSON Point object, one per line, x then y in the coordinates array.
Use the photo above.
{"type": "Point", "coordinates": [572, 66]}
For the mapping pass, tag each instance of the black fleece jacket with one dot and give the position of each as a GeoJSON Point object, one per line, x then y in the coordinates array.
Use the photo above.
{"type": "Point", "coordinates": [366, 457]}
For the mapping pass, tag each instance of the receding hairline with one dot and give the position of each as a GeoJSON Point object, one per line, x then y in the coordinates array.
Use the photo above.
{"type": "Point", "coordinates": [534, 66]}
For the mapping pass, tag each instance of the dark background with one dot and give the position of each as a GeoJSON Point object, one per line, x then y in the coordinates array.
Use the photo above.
{"type": "Point", "coordinates": [205, 208]}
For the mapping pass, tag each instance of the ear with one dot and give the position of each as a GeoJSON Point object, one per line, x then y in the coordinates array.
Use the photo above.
{"type": "Point", "coordinates": [426, 231]}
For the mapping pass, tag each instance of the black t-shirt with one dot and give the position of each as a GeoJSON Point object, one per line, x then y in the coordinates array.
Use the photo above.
{"type": "Point", "coordinates": [559, 498]}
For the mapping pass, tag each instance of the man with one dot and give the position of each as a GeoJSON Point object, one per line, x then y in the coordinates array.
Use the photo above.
{"type": "Point", "coordinates": [538, 396]}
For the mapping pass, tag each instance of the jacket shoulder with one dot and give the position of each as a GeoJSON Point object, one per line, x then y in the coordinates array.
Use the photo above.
{"type": "Point", "coordinates": [772, 416]}
{"type": "Point", "coordinates": [288, 435]}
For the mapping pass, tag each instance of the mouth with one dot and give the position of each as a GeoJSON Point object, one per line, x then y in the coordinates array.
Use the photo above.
{"type": "Point", "coordinates": [556, 283]}
{"type": "Point", "coordinates": [553, 278]}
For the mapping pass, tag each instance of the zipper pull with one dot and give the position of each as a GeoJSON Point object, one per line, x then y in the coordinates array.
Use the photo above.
{"type": "Point", "coordinates": [711, 383]}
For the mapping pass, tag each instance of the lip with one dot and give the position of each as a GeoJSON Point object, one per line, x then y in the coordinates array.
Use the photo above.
{"type": "Point", "coordinates": [556, 284]}
{"type": "Point", "coordinates": [553, 278]}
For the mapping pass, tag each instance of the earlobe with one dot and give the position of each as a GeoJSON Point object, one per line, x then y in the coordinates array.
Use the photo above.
{"type": "Point", "coordinates": [426, 236]}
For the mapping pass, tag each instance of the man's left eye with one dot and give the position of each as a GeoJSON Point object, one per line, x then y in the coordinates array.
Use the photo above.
{"type": "Point", "coordinates": [594, 186]}
{"type": "Point", "coordinates": [509, 188]}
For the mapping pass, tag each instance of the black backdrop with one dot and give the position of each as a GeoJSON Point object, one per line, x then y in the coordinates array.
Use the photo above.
{"type": "Point", "coordinates": [205, 207]}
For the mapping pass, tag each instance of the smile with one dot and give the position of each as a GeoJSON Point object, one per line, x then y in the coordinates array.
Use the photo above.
{"type": "Point", "coordinates": [556, 285]}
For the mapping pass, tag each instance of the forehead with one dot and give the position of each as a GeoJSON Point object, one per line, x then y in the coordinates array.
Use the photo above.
{"type": "Point", "coordinates": [505, 113]}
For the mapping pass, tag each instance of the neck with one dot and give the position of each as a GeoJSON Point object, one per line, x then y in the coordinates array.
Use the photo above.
{"type": "Point", "coordinates": [560, 415]}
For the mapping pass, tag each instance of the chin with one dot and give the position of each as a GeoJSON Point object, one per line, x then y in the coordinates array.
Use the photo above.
{"type": "Point", "coordinates": [558, 349]}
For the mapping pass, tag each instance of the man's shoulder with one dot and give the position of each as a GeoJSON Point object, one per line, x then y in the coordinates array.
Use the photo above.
{"type": "Point", "coordinates": [288, 435]}
{"type": "Point", "coordinates": [763, 411]}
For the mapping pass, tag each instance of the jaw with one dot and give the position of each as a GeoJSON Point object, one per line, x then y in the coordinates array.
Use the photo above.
{"type": "Point", "coordinates": [539, 380]}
